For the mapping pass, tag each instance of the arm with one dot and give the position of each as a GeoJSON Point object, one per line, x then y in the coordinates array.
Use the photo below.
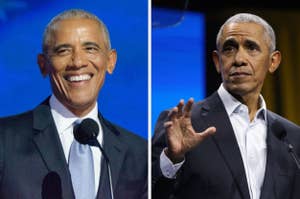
{"type": "Point", "coordinates": [174, 136]}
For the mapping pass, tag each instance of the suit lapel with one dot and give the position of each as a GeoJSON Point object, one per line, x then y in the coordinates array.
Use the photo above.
{"type": "Point", "coordinates": [275, 149]}
{"type": "Point", "coordinates": [213, 113]}
{"type": "Point", "coordinates": [114, 148]}
{"type": "Point", "coordinates": [48, 144]}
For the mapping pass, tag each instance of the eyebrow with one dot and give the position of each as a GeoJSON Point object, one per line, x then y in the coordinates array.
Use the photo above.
{"type": "Point", "coordinates": [230, 42]}
{"type": "Point", "coordinates": [89, 43]}
{"type": "Point", "coordinates": [251, 42]}
{"type": "Point", "coordinates": [56, 48]}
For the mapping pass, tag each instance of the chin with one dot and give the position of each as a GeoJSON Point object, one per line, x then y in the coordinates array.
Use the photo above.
{"type": "Point", "coordinates": [238, 89]}
{"type": "Point", "coordinates": [81, 101]}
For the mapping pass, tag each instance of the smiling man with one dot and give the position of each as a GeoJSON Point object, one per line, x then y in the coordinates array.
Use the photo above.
{"type": "Point", "coordinates": [229, 146]}
{"type": "Point", "coordinates": [39, 156]}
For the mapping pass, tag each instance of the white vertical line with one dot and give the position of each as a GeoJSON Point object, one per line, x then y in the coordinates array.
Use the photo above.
{"type": "Point", "coordinates": [149, 97]}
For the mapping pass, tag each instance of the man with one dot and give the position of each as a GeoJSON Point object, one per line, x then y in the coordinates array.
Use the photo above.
{"type": "Point", "coordinates": [229, 146]}
{"type": "Point", "coordinates": [36, 146]}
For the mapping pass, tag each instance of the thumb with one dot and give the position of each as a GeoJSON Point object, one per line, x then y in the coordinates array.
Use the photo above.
{"type": "Point", "coordinates": [208, 132]}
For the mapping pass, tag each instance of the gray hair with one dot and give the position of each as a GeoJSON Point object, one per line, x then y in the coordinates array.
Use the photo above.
{"type": "Point", "coordinates": [251, 18]}
{"type": "Point", "coordinates": [72, 14]}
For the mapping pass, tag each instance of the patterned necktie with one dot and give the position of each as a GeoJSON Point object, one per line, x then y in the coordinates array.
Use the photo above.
{"type": "Point", "coordinates": [82, 170]}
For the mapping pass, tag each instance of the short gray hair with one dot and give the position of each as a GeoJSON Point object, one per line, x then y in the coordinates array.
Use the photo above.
{"type": "Point", "coordinates": [251, 18]}
{"type": "Point", "coordinates": [72, 14]}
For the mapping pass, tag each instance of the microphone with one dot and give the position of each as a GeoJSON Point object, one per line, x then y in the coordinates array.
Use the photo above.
{"type": "Point", "coordinates": [86, 133]}
{"type": "Point", "coordinates": [280, 133]}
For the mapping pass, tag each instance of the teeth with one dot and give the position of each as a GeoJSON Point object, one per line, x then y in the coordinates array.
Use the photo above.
{"type": "Point", "coordinates": [79, 78]}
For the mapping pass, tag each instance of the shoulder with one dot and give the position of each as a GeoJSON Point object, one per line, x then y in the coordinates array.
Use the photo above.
{"type": "Point", "coordinates": [26, 119]}
{"type": "Point", "coordinates": [132, 140]}
{"type": "Point", "coordinates": [287, 124]}
{"type": "Point", "coordinates": [279, 123]}
{"type": "Point", "coordinates": [130, 137]}
{"type": "Point", "coordinates": [18, 121]}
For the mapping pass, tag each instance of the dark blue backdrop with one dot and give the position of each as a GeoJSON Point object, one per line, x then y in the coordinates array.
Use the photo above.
{"type": "Point", "coordinates": [123, 98]}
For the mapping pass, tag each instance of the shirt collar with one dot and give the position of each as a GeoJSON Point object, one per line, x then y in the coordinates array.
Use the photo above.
{"type": "Point", "coordinates": [64, 118]}
{"type": "Point", "coordinates": [232, 104]}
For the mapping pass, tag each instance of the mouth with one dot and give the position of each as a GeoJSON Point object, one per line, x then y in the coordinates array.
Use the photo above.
{"type": "Point", "coordinates": [78, 78]}
{"type": "Point", "coordinates": [239, 74]}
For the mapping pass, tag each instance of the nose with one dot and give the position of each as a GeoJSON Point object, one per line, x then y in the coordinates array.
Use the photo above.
{"type": "Point", "coordinates": [78, 59]}
{"type": "Point", "coordinates": [240, 58]}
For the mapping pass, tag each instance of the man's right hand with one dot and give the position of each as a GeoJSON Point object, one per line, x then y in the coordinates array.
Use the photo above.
{"type": "Point", "coordinates": [181, 136]}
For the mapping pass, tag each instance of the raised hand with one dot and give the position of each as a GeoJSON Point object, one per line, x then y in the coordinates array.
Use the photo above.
{"type": "Point", "coordinates": [181, 136]}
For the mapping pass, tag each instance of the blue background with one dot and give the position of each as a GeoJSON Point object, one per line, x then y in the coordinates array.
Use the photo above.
{"type": "Point", "coordinates": [178, 62]}
{"type": "Point", "coordinates": [123, 99]}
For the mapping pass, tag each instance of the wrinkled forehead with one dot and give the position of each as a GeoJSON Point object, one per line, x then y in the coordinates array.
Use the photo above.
{"type": "Point", "coordinates": [250, 30]}
{"type": "Point", "coordinates": [244, 31]}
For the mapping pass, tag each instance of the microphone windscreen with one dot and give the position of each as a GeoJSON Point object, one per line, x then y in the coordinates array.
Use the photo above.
{"type": "Point", "coordinates": [86, 131]}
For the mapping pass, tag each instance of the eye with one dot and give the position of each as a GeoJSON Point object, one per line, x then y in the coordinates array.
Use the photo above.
{"type": "Point", "coordinates": [62, 50]}
{"type": "Point", "coordinates": [252, 46]}
{"type": "Point", "coordinates": [228, 48]}
{"type": "Point", "coordinates": [91, 49]}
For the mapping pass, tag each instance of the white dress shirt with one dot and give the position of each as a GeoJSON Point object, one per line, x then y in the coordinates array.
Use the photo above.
{"type": "Point", "coordinates": [64, 120]}
{"type": "Point", "coordinates": [251, 139]}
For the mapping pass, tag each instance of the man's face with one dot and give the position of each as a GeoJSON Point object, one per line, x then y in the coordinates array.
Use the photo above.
{"type": "Point", "coordinates": [76, 62]}
{"type": "Point", "coordinates": [244, 58]}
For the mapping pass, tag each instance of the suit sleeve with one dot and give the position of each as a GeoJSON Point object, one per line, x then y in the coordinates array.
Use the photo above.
{"type": "Point", "coordinates": [1, 151]}
{"type": "Point", "coordinates": [162, 188]}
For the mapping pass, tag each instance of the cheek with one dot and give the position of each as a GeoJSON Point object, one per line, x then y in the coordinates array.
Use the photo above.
{"type": "Point", "coordinates": [99, 64]}
{"type": "Point", "coordinates": [261, 67]}
{"type": "Point", "coordinates": [58, 65]}
{"type": "Point", "coordinates": [225, 69]}
{"type": "Point", "coordinates": [225, 64]}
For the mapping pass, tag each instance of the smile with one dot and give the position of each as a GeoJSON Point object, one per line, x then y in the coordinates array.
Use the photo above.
{"type": "Point", "coordinates": [78, 78]}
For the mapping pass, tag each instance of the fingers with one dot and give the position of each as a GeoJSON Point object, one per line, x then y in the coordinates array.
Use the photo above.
{"type": "Point", "coordinates": [176, 112]}
{"type": "Point", "coordinates": [173, 114]}
{"type": "Point", "coordinates": [168, 124]}
{"type": "Point", "coordinates": [180, 106]}
{"type": "Point", "coordinates": [188, 108]}
{"type": "Point", "coordinates": [181, 110]}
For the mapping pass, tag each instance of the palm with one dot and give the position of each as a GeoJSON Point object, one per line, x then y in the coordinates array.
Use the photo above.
{"type": "Point", "coordinates": [181, 135]}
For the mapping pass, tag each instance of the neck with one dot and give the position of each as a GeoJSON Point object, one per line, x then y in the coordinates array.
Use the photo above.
{"type": "Point", "coordinates": [252, 102]}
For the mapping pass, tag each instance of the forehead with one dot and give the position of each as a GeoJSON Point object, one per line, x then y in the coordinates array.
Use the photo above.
{"type": "Point", "coordinates": [81, 28]}
{"type": "Point", "coordinates": [241, 31]}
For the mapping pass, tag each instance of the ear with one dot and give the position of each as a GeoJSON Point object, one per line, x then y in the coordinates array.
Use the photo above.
{"type": "Point", "coordinates": [112, 59]}
{"type": "Point", "coordinates": [42, 62]}
{"type": "Point", "coordinates": [275, 61]}
{"type": "Point", "coordinates": [215, 56]}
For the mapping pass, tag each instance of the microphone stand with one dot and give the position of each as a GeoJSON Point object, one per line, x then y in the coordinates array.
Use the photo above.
{"type": "Point", "coordinates": [293, 154]}
{"type": "Point", "coordinates": [280, 133]}
{"type": "Point", "coordinates": [86, 133]}
{"type": "Point", "coordinates": [95, 142]}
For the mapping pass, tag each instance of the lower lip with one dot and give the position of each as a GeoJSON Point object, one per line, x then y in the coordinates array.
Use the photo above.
{"type": "Point", "coordinates": [239, 75]}
{"type": "Point", "coordinates": [79, 83]}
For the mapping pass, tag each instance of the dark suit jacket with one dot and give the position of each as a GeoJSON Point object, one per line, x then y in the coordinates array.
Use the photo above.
{"type": "Point", "coordinates": [32, 158]}
{"type": "Point", "coordinates": [214, 169]}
